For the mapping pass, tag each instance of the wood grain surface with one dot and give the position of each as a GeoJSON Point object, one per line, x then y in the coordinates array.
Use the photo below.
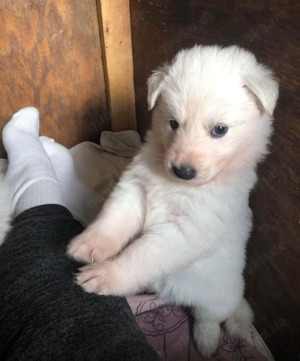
{"type": "Point", "coordinates": [270, 29]}
{"type": "Point", "coordinates": [115, 30]}
{"type": "Point", "coordinates": [50, 58]}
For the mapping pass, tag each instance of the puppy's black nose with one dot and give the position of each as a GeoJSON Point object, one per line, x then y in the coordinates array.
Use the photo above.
{"type": "Point", "coordinates": [184, 172]}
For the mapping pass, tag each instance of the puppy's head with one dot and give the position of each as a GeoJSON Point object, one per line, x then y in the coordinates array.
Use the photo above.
{"type": "Point", "coordinates": [213, 113]}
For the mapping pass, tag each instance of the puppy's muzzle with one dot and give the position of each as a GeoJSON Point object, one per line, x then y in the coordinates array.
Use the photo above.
{"type": "Point", "coordinates": [184, 172]}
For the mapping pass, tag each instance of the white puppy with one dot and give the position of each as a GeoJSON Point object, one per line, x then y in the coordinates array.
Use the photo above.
{"type": "Point", "coordinates": [178, 220]}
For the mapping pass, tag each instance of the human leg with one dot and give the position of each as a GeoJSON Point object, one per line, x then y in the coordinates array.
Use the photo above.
{"type": "Point", "coordinates": [44, 313]}
{"type": "Point", "coordinates": [30, 174]}
{"type": "Point", "coordinates": [82, 202]}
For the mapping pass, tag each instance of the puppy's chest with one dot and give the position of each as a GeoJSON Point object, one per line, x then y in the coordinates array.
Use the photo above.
{"type": "Point", "coordinates": [166, 204]}
{"type": "Point", "coordinates": [193, 211]}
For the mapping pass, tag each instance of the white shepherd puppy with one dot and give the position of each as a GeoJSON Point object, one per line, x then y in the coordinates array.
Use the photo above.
{"type": "Point", "coordinates": [178, 221]}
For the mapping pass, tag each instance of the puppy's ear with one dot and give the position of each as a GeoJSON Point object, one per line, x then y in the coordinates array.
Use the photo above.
{"type": "Point", "coordinates": [264, 86]}
{"type": "Point", "coordinates": [155, 85]}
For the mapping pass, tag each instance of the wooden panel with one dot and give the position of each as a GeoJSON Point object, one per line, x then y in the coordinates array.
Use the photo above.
{"type": "Point", "coordinates": [114, 21]}
{"type": "Point", "coordinates": [50, 57]}
{"type": "Point", "coordinates": [271, 29]}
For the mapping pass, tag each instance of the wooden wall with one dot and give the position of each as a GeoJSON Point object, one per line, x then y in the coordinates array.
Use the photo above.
{"type": "Point", "coordinates": [271, 29]}
{"type": "Point", "coordinates": [50, 58]}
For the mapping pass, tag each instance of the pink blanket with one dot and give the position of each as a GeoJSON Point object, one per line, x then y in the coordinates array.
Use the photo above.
{"type": "Point", "coordinates": [167, 328]}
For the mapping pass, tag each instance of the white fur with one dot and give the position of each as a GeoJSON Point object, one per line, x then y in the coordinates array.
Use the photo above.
{"type": "Point", "coordinates": [5, 210]}
{"type": "Point", "coordinates": [186, 239]}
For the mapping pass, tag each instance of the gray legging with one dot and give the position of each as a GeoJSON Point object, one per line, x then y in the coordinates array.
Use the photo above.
{"type": "Point", "coordinates": [44, 315]}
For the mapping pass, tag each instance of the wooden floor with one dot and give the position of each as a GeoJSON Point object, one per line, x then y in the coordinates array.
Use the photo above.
{"type": "Point", "coordinates": [271, 29]}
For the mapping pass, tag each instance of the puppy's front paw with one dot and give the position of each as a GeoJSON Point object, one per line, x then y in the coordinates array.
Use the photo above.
{"type": "Point", "coordinates": [103, 279]}
{"type": "Point", "coordinates": [90, 246]}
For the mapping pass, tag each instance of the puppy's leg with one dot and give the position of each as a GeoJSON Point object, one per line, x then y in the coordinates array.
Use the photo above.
{"type": "Point", "coordinates": [206, 331]}
{"type": "Point", "coordinates": [153, 255]}
{"type": "Point", "coordinates": [240, 321]}
{"type": "Point", "coordinates": [120, 219]}
{"type": "Point", "coordinates": [207, 325]}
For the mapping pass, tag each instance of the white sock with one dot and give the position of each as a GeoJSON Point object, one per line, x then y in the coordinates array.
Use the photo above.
{"type": "Point", "coordinates": [81, 201]}
{"type": "Point", "coordinates": [30, 173]}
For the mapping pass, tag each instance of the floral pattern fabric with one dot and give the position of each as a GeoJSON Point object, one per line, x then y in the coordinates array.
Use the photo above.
{"type": "Point", "coordinates": [168, 329]}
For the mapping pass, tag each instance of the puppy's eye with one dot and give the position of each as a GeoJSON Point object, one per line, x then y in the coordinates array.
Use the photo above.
{"type": "Point", "coordinates": [174, 124]}
{"type": "Point", "coordinates": [219, 131]}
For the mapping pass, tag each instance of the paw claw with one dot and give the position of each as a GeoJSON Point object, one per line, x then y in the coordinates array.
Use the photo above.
{"type": "Point", "coordinates": [89, 248]}
{"type": "Point", "coordinates": [103, 279]}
